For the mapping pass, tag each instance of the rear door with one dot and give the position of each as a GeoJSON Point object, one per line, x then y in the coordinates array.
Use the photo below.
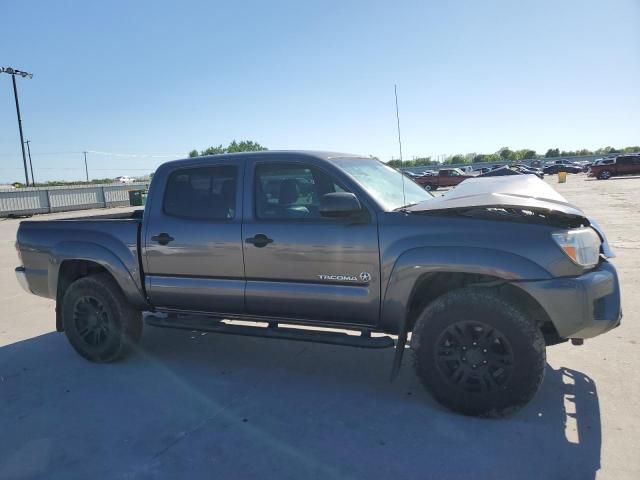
{"type": "Point", "coordinates": [299, 264]}
{"type": "Point", "coordinates": [192, 239]}
{"type": "Point", "coordinates": [624, 165]}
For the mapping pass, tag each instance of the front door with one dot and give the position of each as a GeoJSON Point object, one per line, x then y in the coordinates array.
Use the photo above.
{"type": "Point", "coordinates": [193, 246]}
{"type": "Point", "coordinates": [299, 264]}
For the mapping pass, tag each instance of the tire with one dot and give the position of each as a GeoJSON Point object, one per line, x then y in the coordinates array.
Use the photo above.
{"type": "Point", "coordinates": [430, 187]}
{"type": "Point", "coordinates": [493, 377]}
{"type": "Point", "coordinates": [604, 175]}
{"type": "Point", "coordinates": [98, 321]}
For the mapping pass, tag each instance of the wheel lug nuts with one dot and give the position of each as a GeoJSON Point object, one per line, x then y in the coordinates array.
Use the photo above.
{"type": "Point", "coordinates": [464, 359]}
{"type": "Point", "coordinates": [484, 362]}
{"type": "Point", "coordinates": [474, 366]}
{"type": "Point", "coordinates": [484, 350]}
{"type": "Point", "coordinates": [475, 344]}
{"type": "Point", "coordinates": [464, 348]}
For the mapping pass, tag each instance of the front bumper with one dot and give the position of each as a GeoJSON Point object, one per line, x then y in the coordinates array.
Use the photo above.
{"type": "Point", "coordinates": [580, 307]}
{"type": "Point", "coordinates": [22, 279]}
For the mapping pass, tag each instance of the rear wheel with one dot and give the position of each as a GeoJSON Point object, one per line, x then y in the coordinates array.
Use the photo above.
{"type": "Point", "coordinates": [604, 175]}
{"type": "Point", "coordinates": [429, 187]}
{"type": "Point", "coordinates": [98, 321]}
{"type": "Point", "coordinates": [478, 354]}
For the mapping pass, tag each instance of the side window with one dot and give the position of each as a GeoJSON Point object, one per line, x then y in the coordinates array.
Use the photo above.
{"type": "Point", "coordinates": [623, 161]}
{"type": "Point", "coordinates": [290, 191]}
{"type": "Point", "coordinates": [202, 193]}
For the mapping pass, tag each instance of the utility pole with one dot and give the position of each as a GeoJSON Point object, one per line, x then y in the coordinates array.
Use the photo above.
{"type": "Point", "coordinates": [13, 72]}
{"type": "Point", "coordinates": [86, 169]}
{"type": "Point", "coordinates": [33, 179]}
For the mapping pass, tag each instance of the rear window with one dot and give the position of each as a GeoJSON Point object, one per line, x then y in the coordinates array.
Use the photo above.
{"type": "Point", "coordinates": [202, 193]}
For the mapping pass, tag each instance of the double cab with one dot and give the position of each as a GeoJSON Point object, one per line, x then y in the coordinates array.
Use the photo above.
{"type": "Point", "coordinates": [477, 282]}
{"type": "Point", "coordinates": [621, 165]}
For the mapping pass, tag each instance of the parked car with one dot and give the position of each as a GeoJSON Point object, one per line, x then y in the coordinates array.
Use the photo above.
{"type": "Point", "coordinates": [359, 252]}
{"type": "Point", "coordinates": [525, 169]}
{"type": "Point", "coordinates": [501, 172]}
{"type": "Point", "coordinates": [125, 179]}
{"type": "Point", "coordinates": [554, 168]}
{"type": "Point", "coordinates": [621, 165]}
{"type": "Point", "coordinates": [445, 177]}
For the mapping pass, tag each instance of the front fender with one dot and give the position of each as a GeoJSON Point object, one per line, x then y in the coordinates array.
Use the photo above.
{"type": "Point", "coordinates": [414, 263]}
{"type": "Point", "coordinates": [123, 268]}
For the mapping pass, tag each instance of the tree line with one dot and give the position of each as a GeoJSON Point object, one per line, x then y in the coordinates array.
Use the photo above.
{"type": "Point", "coordinates": [233, 147]}
{"type": "Point", "coordinates": [505, 154]}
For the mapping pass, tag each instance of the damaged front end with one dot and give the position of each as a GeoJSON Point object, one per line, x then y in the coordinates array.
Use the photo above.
{"type": "Point", "coordinates": [519, 199]}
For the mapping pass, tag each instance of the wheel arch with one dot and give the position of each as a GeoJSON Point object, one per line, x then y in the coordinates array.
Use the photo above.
{"type": "Point", "coordinates": [74, 260]}
{"type": "Point", "coordinates": [421, 275]}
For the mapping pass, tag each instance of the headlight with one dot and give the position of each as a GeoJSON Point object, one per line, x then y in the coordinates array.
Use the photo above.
{"type": "Point", "coordinates": [581, 245]}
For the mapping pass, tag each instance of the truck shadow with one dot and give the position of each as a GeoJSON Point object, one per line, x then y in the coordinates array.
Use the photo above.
{"type": "Point", "coordinates": [189, 405]}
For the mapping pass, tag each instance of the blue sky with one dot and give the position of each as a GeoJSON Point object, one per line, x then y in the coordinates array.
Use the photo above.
{"type": "Point", "coordinates": [162, 78]}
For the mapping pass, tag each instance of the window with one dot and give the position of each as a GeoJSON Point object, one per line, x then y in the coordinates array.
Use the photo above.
{"type": "Point", "coordinates": [202, 193]}
{"type": "Point", "coordinates": [290, 191]}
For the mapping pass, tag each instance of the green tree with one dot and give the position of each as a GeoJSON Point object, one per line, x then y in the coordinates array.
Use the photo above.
{"type": "Point", "coordinates": [552, 152]}
{"type": "Point", "coordinates": [506, 153]}
{"type": "Point", "coordinates": [528, 154]}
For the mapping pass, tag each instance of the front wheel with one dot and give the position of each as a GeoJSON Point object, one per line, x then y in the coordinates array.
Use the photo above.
{"type": "Point", "coordinates": [477, 353]}
{"type": "Point", "coordinates": [604, 175]}
{"type": "Point", "coordinates": [98, 321]}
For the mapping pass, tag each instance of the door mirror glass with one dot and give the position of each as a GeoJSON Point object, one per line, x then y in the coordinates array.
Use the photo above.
{"type": "Point", "coordinates": [339, 204]}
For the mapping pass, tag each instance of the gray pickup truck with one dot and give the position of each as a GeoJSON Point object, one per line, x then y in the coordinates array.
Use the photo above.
{"type": "Point", "coordinates": [478, 282]}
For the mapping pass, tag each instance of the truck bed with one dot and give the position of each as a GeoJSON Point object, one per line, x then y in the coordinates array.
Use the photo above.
{"type": "Point", "coordinates": [111, 240]}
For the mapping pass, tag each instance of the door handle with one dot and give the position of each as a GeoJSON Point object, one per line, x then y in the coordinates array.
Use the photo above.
{"type": "Point", "coordinates": [260, 240]}
{"type": "Point", "coordinates": [162, 238]}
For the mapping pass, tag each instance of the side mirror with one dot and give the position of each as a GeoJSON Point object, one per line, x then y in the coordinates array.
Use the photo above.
{"type": "Point", "coordinates": [339, 204]}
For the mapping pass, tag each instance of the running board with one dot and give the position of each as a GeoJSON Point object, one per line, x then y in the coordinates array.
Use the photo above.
{"type": "Point", "coordinates": [206, 324]}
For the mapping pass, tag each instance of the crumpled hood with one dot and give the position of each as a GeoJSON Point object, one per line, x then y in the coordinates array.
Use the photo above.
{"type": "Point", "coordinates": [519, 191]}
{"type": "Point", "coordinates": [526, 192]}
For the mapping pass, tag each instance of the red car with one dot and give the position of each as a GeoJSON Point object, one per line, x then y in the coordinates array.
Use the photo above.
{"type": "Point", "coordinates": [621, 165]}
{"type": "Point", "coordinates": [446, 177]}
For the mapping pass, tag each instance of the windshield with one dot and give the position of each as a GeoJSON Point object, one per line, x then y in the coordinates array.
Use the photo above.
{"type": "Point", "coordinates": [383, 182]}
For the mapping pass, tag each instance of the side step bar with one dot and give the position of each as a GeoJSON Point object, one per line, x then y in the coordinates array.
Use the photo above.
{"type": "Point", "coordinates": [214, 325]}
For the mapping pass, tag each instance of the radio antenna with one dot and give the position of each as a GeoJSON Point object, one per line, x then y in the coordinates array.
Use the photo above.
{"type": "Point", "coordinates": [395, 91]}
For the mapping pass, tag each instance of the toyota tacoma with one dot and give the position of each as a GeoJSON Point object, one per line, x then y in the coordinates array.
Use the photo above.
{"type": "Point", "coordinates": [477, 282]}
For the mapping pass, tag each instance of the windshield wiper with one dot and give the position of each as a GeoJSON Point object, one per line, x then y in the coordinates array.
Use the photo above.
{"type": "Point", "coordinates": [404, 207]}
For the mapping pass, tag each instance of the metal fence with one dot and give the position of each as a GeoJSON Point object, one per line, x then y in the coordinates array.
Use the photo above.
{"type": "Point", "coordinates": [32, 200]}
